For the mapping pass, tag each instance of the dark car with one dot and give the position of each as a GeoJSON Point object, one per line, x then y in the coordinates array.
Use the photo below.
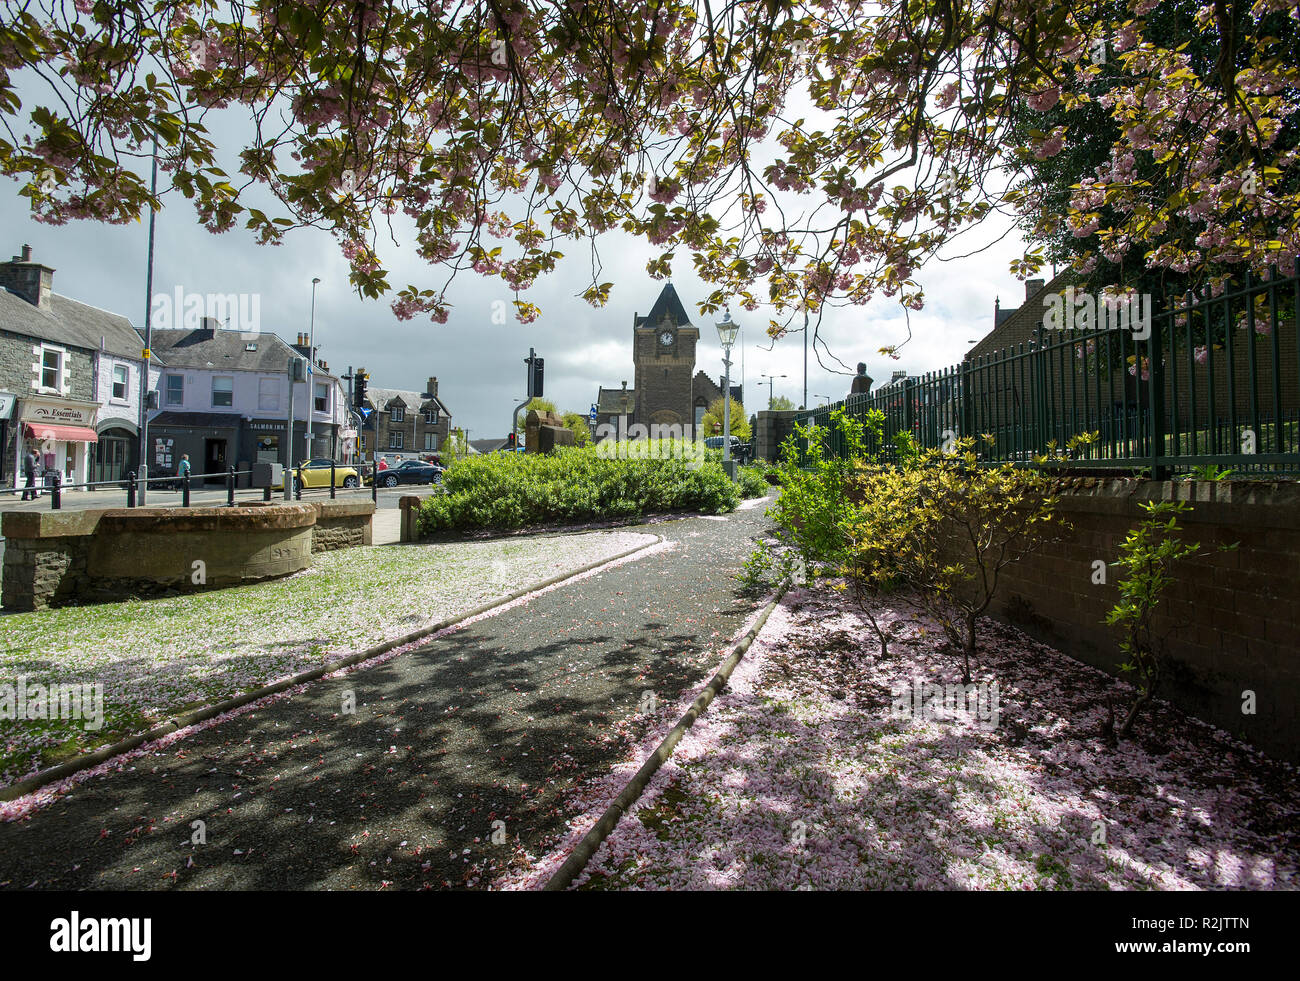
{"type": "Point", "coordinates": [410, 472]}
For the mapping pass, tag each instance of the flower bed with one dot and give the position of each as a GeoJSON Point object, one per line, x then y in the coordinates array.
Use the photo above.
{"type": "Point", "coordinates": [803, 775]}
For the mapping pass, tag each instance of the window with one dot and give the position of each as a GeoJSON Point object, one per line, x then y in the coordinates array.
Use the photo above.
{"type": "Point", "coordinates": [268, 394]}
{"type": "Point", "coordinates": [398, 413]}
{"type": "Point", "coordinates": [52, 366]}
{"type": "Point", "coordinates": [119, 382]}
{"type": "Point", "coordinates": [175, 389]}
{"type": "Point", "coordinates": [322, 397]}
{"type": "Point", "coordinates": [395, 441]}
{"type": "Point", "coordinates": [223, 392]}
{"type": "Point", "coordinates": [431, 441]}
{"type": "Point", "coordinates": [431, 417]}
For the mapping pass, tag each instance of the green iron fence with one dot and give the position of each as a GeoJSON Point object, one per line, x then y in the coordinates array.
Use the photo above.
{"type": "Point", "coordinates": [1204, 380]}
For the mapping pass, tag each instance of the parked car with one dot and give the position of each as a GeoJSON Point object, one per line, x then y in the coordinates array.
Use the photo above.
{"type": "Point", "coordinates": [411, 472]}
{"type": "Point", "coordinates": [316, 473]}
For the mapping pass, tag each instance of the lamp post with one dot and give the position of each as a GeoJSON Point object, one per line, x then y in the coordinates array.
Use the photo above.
{"type": "Point", "coordinates": [311, 369]}
{"type": "Point", "coordinates": [771, 381]}
{"type": "Point", "coordinates": [826, 397]}
{"type": "Point", "coordinates": [727, 330]}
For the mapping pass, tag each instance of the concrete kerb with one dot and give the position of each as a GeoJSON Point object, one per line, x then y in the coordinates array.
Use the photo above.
{"type": "Point", "coordinates": [630, 794]}
{"type": "Point", "coordinates": [62, 770]}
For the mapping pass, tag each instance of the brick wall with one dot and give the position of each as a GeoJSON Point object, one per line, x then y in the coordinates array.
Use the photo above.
{"type": "Point", "coordinates": [1232, 618]}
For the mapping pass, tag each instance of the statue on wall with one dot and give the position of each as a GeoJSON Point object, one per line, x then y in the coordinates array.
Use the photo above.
{"type": "Point", "coordinates": [861, 381]}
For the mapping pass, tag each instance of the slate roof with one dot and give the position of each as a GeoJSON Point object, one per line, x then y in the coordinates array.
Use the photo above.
{"type": "Point", "coordinates": [70, 322]}
{"type": "Point", "coordinates": [416, 401]}
{"type": "Point", "coordinates": [668, 303]}
{"type": "Point", "coordinates": [609, 401]}
{"type": "Point", "coordinates": [218, 348]}
{"type": "Point", "coordinates": [487, 445]}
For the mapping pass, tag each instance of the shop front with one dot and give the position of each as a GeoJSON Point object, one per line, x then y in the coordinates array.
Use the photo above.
{"type": "Point", "coordinates": [62, 432]}
{"type": "Point", "coordinates": [7, 403]}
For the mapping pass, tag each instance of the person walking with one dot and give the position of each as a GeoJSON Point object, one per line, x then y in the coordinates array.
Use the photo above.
{"type": "Point", "coordinates": [29, 472]}
{"type": "Point", "coordinates": [183, 468]}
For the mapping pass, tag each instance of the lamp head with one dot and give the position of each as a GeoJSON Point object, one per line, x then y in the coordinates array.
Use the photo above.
{"type": "Point", "coordinates": [727, 329]}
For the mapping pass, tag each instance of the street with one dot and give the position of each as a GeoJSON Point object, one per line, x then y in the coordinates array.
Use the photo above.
{"type": "Point", "coordinates": [489, 724]}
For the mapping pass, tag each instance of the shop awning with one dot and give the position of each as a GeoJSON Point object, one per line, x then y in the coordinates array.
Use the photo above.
{"type": "Point", "coordinates": [71, 434]}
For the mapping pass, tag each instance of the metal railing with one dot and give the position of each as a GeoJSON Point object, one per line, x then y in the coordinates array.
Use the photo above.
{"type": "Point", "coordinates": [1214, 381]}
{"type": "Point", "coordinates": [137, 487]}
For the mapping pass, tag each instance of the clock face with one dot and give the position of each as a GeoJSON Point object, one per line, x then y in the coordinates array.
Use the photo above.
{"type": "Point", "coordinates": [666, 338]}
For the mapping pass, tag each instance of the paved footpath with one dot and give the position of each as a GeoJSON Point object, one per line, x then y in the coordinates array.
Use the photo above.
{"type": "Point", "coordinates": [490, 723]}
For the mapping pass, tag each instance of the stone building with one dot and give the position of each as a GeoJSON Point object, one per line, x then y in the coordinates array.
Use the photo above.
{"type": "Point", "coordinates": [413, 424]}
{"type": "Point", "coordinates": [70, 380]}
{"type": "Point", "coordinates": [667, 391]}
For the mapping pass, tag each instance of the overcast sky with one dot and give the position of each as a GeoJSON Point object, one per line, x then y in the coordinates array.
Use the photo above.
{"type": "Point", "coordinates": [479, 365]}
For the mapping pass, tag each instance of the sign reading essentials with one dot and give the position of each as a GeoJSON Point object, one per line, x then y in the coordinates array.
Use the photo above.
{"type": "Point", "coordinates": [59, 412]}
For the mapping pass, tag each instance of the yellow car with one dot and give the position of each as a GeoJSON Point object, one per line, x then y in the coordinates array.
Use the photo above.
{"type": "Point", "coordinates": [316, 473]}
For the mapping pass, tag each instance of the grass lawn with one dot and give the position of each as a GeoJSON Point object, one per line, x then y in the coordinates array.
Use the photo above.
{"type": "Point", "coordinates": [160, 656]}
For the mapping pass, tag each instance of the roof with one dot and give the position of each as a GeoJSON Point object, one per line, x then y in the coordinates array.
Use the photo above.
{"type": "Point", "coordinates": [224, 349]}
{"type": "Point", "coordinates": [668, 304]}
{"type": "Point", "coordinates": [487, 445]}
{"type": "Point", "coordinates": [703, 384]}
{"type": "Point", "coordinates": [381, 397]}
{"type": "Point", "coordinates": [71, 322]}
{"type": "Point", "coordinates": [1020, 326]}
{"type": "Point", "coordinates": [609, 401]}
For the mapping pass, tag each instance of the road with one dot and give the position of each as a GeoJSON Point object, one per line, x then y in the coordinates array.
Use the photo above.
{"type": "Point", "coordinates": [491, 723]}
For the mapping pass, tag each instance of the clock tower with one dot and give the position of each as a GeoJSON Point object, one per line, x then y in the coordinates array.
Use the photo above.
{"type": "Point", "coordinates": [663, 352]}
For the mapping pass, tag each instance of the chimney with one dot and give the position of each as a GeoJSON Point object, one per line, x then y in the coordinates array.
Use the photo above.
{"type": "Point", "coordinates": [31, 280]}
{"type": "Point", "coordinates": [432, 390]}
{"type": "Point", "coordinates": [208, 327]}
{"type": "Point", "coordinates": [1032, 286]}
{"type": "Point", "coordinates": [898, 376]}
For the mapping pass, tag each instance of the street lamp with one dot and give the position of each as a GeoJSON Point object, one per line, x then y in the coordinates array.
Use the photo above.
{"type": "Point", "coordinates": [771, 381]}
{"type": "Point", "coordinates": [727, 330]}
{"type": "Point", "coordinates": [826, 397]}
{"type": "Point", "coordinates": [311, 370]}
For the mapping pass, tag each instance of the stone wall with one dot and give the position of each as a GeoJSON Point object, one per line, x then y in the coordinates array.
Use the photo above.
{"type": "Point", "coordinates": [1231, 618]}
{"type": "Point", "coordinates": [342, 524]}
{"type": "Point", "coordinates": [774, 427]}
{"type": "Point", "coordinates": [54, 558]}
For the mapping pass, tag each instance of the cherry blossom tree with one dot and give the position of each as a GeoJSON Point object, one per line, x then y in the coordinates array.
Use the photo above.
{"type": "Point", "coordinates": [802, 154]}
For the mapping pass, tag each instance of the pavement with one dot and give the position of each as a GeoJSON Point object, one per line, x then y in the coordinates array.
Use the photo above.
{"type": "Point", "coordinates": [453, 767]}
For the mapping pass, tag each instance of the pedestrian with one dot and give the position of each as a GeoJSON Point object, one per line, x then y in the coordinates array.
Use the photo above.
{"type": "Point", "coordinates": [183, 468]}
{"type": "Point", "coordinates": [29, 471]}
{"type": "Point", "coordinates": [383, 465]}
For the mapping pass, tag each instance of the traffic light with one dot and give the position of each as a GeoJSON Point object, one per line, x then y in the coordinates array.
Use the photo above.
{"type": "Point", "coordinates": [510, 441]}
{"type": "Point", "coordinates": [534, 374]}
{"type": "Point", "coordinates": [359, 388]}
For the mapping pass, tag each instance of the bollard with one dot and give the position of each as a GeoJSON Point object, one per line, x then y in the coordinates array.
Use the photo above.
{"type": "Point", "coordinates": [130, 489]}
{"type": "Point", "coordinates": [297, 490]}
{"type": "Point", "coordinates": [185, 489]}
{"type": "Point", "coordinates": [56, 495]}
{"type": "Point", "coordinates": [374, 482]}
{"type": "Point", "coordinates": [266, 492]}
{"type": "Point", "coordinates": [230, 487]}
{"type": "Point", "coordinates": [331, 480]}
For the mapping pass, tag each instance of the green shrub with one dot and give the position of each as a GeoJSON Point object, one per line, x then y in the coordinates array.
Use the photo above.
{"type": "Point", "coordinates": [506, 491]}
{"type": "Point", "coordinates": [752, 482]}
